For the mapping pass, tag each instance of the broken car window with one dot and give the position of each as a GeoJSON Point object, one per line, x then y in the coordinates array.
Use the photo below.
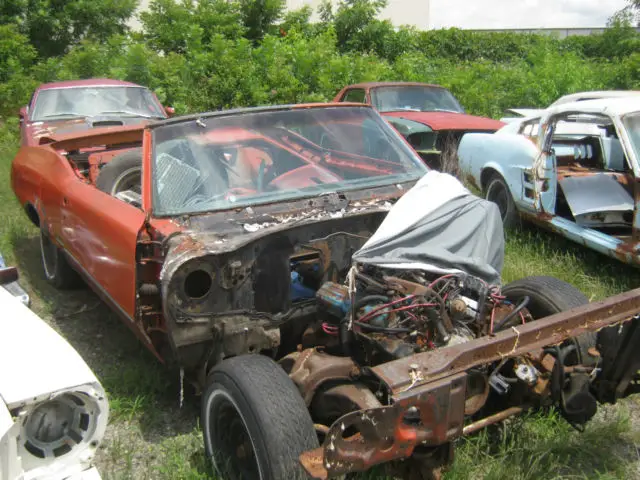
{"type": "Point", "coordinates": [243, 159]}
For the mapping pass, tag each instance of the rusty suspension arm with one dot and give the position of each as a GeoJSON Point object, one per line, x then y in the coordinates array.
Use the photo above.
{"type": "Point", "coordinates": [433, 383]}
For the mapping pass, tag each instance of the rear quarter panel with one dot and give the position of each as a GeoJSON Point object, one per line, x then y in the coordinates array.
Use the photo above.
{"type": "Point", "coordinates": [509, 155]}
{"type": "Point", "coordinates": [36, 174]}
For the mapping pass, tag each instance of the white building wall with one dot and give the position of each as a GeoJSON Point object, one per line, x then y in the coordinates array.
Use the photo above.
{"type": "Point", "coordinates": [400, 12]}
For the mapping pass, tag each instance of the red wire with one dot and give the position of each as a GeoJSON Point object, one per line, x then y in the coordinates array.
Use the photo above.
{"type": "Point", "coordinates": [522, 317]}
{"type": "Point", "coordinates": [329, 329]}
{"type": "Point", "coordinates": [441, 278]}
{"type": "Point", "coordinates": [402, 309]}
{"type": "Point", "coordinates": [415, 319]}
{"type": "Point", "coordinates": [386, 305]}
{"type": "Point", "coordinates": [415, 305]}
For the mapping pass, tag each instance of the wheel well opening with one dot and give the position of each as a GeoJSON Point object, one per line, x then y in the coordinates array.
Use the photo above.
{"type": "Point", "coordinates": [486, 174]}
{"type": "Point", "coordinates": [32, 213]}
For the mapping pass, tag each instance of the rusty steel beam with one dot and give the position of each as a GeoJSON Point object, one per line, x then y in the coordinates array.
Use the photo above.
{"type": "Point", "coordinates": [424, 368]}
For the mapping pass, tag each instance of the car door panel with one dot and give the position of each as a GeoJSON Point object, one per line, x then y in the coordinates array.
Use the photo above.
{"type": "Point", "coordinates": [37, 175]}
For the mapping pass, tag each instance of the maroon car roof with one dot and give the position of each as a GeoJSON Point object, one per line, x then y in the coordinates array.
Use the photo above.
{"type": "Point", "coordinates": [90, 82]}
{"type": "Point", "coordinates": [393, 84]}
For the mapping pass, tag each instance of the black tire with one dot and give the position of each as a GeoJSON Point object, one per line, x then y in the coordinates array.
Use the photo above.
{"type": "Point", "coordinates": [122, 173]}
{"type": "Point", "coordinates": [497, 191]}
{"type": "Point", "coordinates": [56, 269]}
{"type": "Point", "coordinates": [549, 295]}
{"type": "Point", "coordinates": [251, 403]}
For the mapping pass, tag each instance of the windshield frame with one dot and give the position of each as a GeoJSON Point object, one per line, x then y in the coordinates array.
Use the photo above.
{"type": "Point", "coordinates": [300, 194]}
{"type": "Point", "coordinates": [374, 91]}
{"type": "Point", "coordinates": [633, 147]}
{"type": "Point", "coordinates": [34, 102]}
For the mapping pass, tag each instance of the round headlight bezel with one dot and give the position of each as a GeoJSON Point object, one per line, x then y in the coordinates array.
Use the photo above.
{"type": "Point", "coordinates": [75, 427]}
{"type": "Point", "coordinates": [80, 453]}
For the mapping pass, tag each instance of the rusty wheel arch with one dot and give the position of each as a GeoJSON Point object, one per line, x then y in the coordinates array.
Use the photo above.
{"type": "Point", "coordinates": [486, 175]}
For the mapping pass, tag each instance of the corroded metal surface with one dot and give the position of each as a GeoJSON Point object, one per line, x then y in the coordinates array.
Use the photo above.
{"type": "Point", "coordinates": [311, 368]}
{"type": "Point", "coordinates": [430, 415]}
{"type": "Point", "coordinates": [428, 390]}
{"type": "Point", "coordinates": [509, 343]}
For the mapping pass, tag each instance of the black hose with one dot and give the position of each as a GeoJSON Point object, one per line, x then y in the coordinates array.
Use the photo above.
{"type": "Point", "coordinates": [373, 283]}
{"type": "Point", "coordinates": [557, 375]}
{"type": "Point", "coordinates": [375, 328]}
{"type": "Point", "coordinates": [371, 298]}
{"type": "Point", "coordinates": [512, 313]}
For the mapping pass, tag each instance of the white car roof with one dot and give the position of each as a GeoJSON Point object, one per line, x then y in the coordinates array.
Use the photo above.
{"type": "Point", "coordinates": [608, 106]}
{"type": "Point", "coordinates": [594, 95]}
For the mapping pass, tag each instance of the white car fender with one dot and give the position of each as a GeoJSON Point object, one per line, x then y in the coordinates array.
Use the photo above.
{"type": "Point", "coordinates": [35, 359]}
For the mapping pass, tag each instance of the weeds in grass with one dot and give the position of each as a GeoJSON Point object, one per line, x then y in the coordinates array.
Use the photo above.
{"type": "Point", "coordinates": [543, 445]}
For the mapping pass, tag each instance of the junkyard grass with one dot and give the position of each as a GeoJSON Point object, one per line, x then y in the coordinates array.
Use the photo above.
{"type": "Point", "coordinates": [534, 252]}
{"type": "Point", "coordinates": [543, 445]}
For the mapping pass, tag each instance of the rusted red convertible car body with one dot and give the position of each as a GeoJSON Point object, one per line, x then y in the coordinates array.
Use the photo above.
{"type": "Point", "coordinates": [232, 244]}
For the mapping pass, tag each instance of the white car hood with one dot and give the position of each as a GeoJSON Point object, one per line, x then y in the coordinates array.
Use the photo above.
{"type": "Point", "coordinates": [34, 359]}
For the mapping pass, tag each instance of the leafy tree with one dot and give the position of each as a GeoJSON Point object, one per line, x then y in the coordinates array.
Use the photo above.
{"type": "Point", "coordinates": [260, 16]}
{"type": "Point", "coordinates": [635, 4]}
{"type": "Point", "coordinates": [16, 57]}
{"type": "Point", "coordinates": [298, 20]}
{"type": "Point", "coordinates": [53, 26]}
{"type": "Point", "coordinates": [175, 26]}
{"type": "Point", "coordinates": [355, 22]}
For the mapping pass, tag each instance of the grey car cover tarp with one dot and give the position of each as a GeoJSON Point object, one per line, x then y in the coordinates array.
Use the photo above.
{"type": "Point", "coordinates": [441, 227]}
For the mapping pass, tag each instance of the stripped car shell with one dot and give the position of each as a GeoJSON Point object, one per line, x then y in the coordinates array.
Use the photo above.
{"type": "Point", "coordinates": [59, 108]}
{"type": "Point", "coordinates": [574, 171]}
{"type": "Point", "coordinates": [262, 231]}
